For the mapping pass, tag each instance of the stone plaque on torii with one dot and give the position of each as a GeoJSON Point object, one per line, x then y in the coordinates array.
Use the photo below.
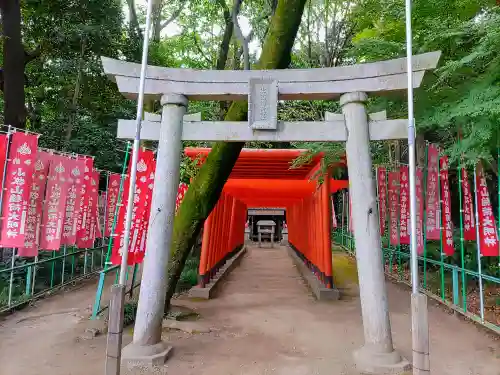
{"type": "Point", "coordinates": [262, 89]}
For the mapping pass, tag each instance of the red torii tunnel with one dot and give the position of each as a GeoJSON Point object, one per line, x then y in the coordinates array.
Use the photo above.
{"type": "Point", "coordinates": [264, 178]}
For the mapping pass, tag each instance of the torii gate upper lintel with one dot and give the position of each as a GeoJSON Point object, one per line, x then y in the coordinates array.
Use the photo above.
{"type": "Point", "coordinates": [302, 84]}
{"type": "Point", "coordinates": [263, 89]}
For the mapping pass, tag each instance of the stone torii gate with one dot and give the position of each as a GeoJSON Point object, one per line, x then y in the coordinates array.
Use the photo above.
{"type": "Point", "coordinates": [263, 89]}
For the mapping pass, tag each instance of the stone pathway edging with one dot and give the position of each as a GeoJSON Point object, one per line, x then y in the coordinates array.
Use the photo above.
{"type": "Point", "coordinates": [210, 290]}
{"type": "Point", "coordinates": [320, 292]}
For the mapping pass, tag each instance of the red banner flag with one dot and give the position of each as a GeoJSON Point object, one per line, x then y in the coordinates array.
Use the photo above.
{"type": "Point", "coordinates": [446, 221]}
{"type": "Point", "coordinates": [4, 144]}
{"type": "Point", "coordinates": [111, 201]}
{"type": "Point", "coordinates": [140, 245]}
{"type": "Point", "coordinates": [117, 236]}
{"type": "Point", "coordinates": [404, 198]}
{"type": "Point", "coordinates": [55, 203]}
{"type": "Point", "coordinates": [18, 179]}
{"type": "Point", "coordinates": [86, 236]}
{"type": "Point", "coordinates": [393, 207]}
{"type": "Point", "coordinates": [83, 221]}
{"type": "Point", "coordinates": [37, 195]}
{"type": "Point", "coordinates": [488, 235]}
{"type": "Point", "coordinates": [468, 209]}
{"type": "Point", "coordinates": [432, 211]}
{"type": "Point", "coordinates": [382, 198]}
{"type": "Point", "coordinates": [73, 199]}
{"type": "Point", "coordinates": [420, 210]}
{"type": "Point", "coordinates": [144, 178]}
{"type": "Point", "coordinates": [92, 230]}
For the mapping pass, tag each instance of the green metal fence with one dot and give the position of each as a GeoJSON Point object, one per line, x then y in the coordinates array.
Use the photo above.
{"type": "Point", "coordinates": [466, 281]}
{"type": "Point", "coordinates": [455, 281]}
{"type": "Point", "coordinates": [24, 279]}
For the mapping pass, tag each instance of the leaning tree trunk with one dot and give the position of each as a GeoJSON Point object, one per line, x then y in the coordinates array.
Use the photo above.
{"type": "Point", "coordinates": [206, 188]}
{"type": "Point", "coordinates": [13, 64]}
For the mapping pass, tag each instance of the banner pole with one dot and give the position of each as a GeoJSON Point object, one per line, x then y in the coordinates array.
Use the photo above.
{"type": "Point", "coordinates": [478, 242]}
{"type": "Point", "coordinates": [136, 145]}
{"type": "Point", "coordinates": [105, 215]}
{"type": "Point", "coordinates": [462, 235]}
{"type": "Point", "coordinates": [398, 228]}
{"type": "Point", "coordinates": [9, 132]}
{"type": "Point", "coordinates": [419, 312]}
{"type": "Point", "coordinates": [425, 202]}
{"type": "Point", "coordinates": [441, 230]}
{"type": "Point", "coordinates": [411, 152]}
{"type": "Point", "coordinates": [116, 314]}
{"type": "Point", "coordinates": [102, 275]}
{"type": "Point", "coordinates": [117, 206]}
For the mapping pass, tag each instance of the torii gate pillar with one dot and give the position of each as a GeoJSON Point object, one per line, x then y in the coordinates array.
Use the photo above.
{"type": "Point", "coordinates": [147, 346]}
{"type": "Point", "coordinates": [377, 356]}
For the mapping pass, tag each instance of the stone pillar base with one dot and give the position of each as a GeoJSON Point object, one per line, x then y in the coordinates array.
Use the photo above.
{"type": "Point", "coordinates": [369, 361]}
{"type": "Point", "coordinates": [134, 355]}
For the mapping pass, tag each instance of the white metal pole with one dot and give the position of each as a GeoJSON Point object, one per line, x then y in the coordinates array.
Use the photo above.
{"type": "Point", "coordinates": [411, 152]}
{"type": "Point", "coordinates": [478, 243]}
{"type": "Point", "coordinates": [135, 150]}
{"type": "Point", "coordinates": [419, 313]}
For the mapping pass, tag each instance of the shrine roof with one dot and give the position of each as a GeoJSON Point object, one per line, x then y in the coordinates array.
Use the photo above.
{"type": "Point", "coordinates": [264, 163]}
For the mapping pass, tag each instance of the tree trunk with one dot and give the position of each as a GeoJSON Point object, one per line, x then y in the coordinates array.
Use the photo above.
{"type": "Point", "coordinates": [420, 150]}
{"type": "Point", "coordinates": [76, 96]}
{"type": "Point", "coordinates": [157, 20]}
{"type": "Point", "coordinates": [226, 37]}
{"type": "Point", "coordinates": [13, 64]}
{"type": "Point", "coordinates": [206, 188]}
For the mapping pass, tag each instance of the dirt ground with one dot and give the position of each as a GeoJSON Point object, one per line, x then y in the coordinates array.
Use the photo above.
{"type": "Point", "coordinates": [264, 321]}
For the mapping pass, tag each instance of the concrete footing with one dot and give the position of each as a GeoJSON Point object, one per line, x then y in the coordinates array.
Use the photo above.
{"type": "Point", "coordinates": [134, 355]}
{"type": "Point", "coordinates": [368, 360]}
{"type": "Point", "coordinates": [210, 290]}
{"type": "Point", "coordinates": [321, 292]}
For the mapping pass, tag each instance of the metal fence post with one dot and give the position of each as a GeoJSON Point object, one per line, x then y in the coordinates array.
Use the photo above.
{"type": "Point", "coordinates": [456, 299]}
{"type": "Point", "coordinates": [11, 281]}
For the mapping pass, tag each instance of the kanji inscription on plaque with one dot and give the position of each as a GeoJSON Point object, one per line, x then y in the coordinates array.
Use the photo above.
{"type": "Point", "coordinates": [263, 104]}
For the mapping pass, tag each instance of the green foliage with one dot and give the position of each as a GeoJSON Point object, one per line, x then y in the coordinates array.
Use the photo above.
{"type": "Point", "coordinates": [66, 93]}
{"type": "Point", "coordinates": [129, 312]}
{"type": "Point", "coordinates": [189, 275]}
{"type": "Point", "coordinates": [463, 94]}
